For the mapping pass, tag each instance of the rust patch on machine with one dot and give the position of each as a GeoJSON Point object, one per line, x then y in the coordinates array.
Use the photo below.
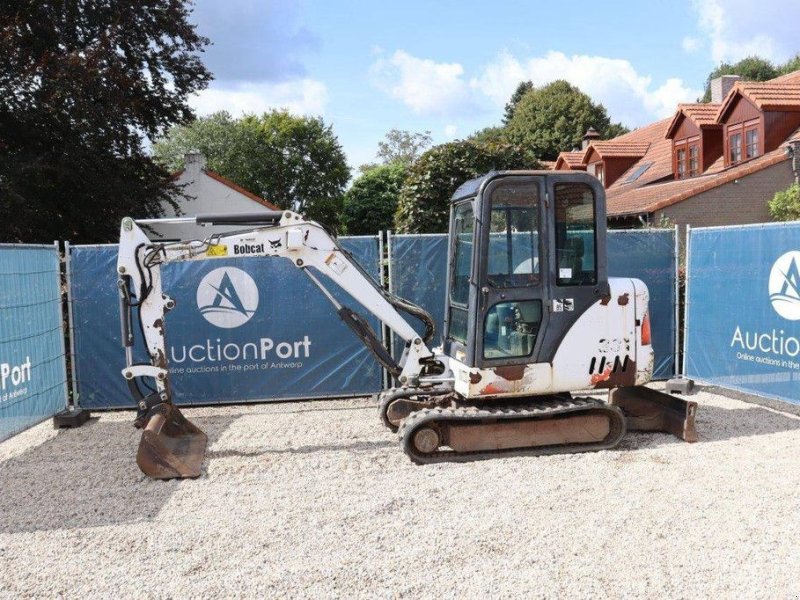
{"type": "Point", "coordinates": [158, 325]}
{"type": "Point", "coordinates": [475, 378]}
{"type": "Point", "coordinates": [511, 372]}
{"type": "Point", "coordinates": [604, 300]}
{"type": "Point", "coordinates": [160, 360]}
{"type": "Point", "coordinates": [611, 378]}
{"type": "Point", "coordinates": [623, 299]}
{"type": "Point", "coordinates": [491, 389]}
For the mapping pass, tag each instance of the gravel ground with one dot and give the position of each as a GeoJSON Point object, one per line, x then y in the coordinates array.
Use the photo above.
{"type": "Point", "coordinates": [316, 500]}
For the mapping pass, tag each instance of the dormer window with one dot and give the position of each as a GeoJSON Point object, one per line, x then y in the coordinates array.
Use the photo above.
{"type": "Point", "coordinates": [735, 145]}
{"type": "Point", "coordinates": [751, 141]}
{"type": "Point", "coordinates": [598, 170]}
{"type": "Point", "coordinates": [687, 157]}
{"type": "Point", "coordinates": [694, 160]}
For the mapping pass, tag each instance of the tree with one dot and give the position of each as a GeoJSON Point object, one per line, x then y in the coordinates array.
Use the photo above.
{"type": "Point", "coordinates": [82, 84]}
{"type": "Point", "coordinates": [294, 162]}
{"type": "Point", "coordinates": [370, 203]}
{"type": "Point", "coordinates": [490, 135]}
{"type": "Point", "coordinates": [424, 202]}
{"type": "Point", "coordinates": [791, 65]}
{"type": "Point", "coordinates": [554, 118]}
{"type": "Point", "coordinates": [751, 68]}
{"type": "Point", "coordinates": [522, 88]}
{"type": "Point", "coordinates": [403, 147]}
{"type": "Point", "coordinates": [785, 205]}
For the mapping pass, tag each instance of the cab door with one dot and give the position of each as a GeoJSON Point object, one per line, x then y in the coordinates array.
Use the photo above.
{"type": "Point", "coordinates": [512, 272]}
{"type": "Point", "coordinates": [578, 275]}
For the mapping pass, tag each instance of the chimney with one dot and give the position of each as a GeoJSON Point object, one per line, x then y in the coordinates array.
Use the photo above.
{"type": "Point", "coordinates": [721, 86]}
{"type": "Point", "coordinates": [590, 135]}
{"type": "Point", "coordinates": [195, 161]}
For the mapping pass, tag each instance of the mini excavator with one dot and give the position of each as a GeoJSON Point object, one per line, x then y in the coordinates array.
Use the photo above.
{"type": "Point", "coordinates": [531, 319]}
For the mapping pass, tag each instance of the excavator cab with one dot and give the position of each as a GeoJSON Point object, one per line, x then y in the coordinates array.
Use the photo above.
{"type": "Point", "coordinates": [527, 259]}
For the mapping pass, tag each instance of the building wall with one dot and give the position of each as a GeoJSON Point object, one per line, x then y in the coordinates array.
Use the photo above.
{"type": "Point", "coordinates": [206, 195]}
{"type": "Point", "coordinates": [732, 203]}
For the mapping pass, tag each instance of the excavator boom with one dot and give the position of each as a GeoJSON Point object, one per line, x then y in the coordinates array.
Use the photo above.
{"type": "Point", "coordinates": [171, 446]}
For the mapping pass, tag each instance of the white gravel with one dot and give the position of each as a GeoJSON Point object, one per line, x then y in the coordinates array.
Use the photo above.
{"type": "Point", "coordinates": [316, 500]}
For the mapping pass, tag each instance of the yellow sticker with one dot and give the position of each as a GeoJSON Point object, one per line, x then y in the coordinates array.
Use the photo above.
{"type": "Point", "coordinates": [217, 250]}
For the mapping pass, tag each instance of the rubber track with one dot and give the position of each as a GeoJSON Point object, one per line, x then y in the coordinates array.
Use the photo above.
{"type": "Point", "coordinates": [385, 398]}
{"type": "Point", "coordinates": [540, 409]}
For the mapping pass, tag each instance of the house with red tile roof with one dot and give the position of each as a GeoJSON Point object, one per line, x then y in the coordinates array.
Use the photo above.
{"type": "Point", "coordinates": [204, 192]}
{"type": "Point", "coordinates": [709, 164]}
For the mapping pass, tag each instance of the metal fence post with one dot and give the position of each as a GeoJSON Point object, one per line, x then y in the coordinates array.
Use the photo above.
{"type": "Point", "coordinates": [391, 283]}
{"type": "Point", "coordinates": [677, 331]}
{"type": "Point", "coordinates": [61, 319]}
{"type": "Point", "coordinates": [71, 322]}
{"type": "Point", "coordinates": [688, 277]}
{"type": "Point", "coordinates": [382, 281]}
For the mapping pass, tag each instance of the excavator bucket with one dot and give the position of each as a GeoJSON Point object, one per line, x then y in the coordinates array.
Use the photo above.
{"type": "Point", "coordinates": [646, 409]}
{"type": "Point", "coordinates": [171, 446]}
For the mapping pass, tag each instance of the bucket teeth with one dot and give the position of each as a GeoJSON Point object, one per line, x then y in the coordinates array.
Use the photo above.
{"type": "Point", "coordinates": [172, 447]}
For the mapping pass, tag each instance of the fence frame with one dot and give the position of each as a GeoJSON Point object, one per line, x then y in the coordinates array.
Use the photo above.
{"type": "Point", "coordinates": [58, 274]}
{"type": "Point", "coordinates": [689, 229]}
{"type": "Point", "coordinates": [76, 381]}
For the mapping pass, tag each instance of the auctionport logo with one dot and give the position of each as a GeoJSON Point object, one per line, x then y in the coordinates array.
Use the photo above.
{"type": "Point", "coordinates": [227, 297]}
{"type": "Point", "coordinates": [784, 286]}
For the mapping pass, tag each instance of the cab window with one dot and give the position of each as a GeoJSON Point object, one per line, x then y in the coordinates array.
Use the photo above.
{"type": "Point", "coordinates": [463, 228]}
{"type": "Point", "coordinates": [513, 250]}
{"type": "Point", "coordinates": [576, 246]}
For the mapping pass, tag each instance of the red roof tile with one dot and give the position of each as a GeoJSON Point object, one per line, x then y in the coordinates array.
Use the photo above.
{"type": "Point", "coordinates": [766, 95]}
{"type": "Point", "coordinates": [572, 160]}
{"type": "Point", "coordinates": [702, 115]}
{"type": "Point", "coordinates": [617, 148]}
{"type": "Point", "coordinates": [650, 198]}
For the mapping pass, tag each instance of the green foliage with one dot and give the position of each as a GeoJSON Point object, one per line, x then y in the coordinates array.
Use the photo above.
{"type": "Point", "coordinates": [424, 203]}
{"type": "Point", "coordinates": [554, 118]}
{"type": "Point", "coordinates": [614, 130]}
{"type": "Point", "coordinates": [751, 68]}
{"type": "Point", "coordinates": [81, 85]}
{"type": "Point", "coordinates": [511, 106]}
{"type": "Point", "coordinates": [785, 205]}
{"type": "Point", "coordinates": [791, 65]}
{"type": "Point", "coordinates": [371, 201]}
{"type": "Point", "coordinates": [490, 135]}
{"type": "Point", "coordinates": [294, 162]}
{"type": "Point", "coordinates": [403, 146]}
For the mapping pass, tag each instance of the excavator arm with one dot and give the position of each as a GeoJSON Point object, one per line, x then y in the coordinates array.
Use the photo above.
{"type": "Point", "coordinates": [173, 447]}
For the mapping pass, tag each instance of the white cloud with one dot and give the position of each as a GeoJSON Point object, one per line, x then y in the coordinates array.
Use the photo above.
{"type": "Point", "coordinates": [450, 131]}
{"type": "Point", "coordinates": [740, 28]}
{"type": "Point", "coordinates": [299, 96]}
{"type": "Point", "coordinates": [425, 86]}
{"type": "Point", "coordinates": [627, 95]}
{"type": "Point", "coordinates": [691, 44]}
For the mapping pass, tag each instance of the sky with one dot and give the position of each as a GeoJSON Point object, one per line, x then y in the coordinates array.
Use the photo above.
{"type": "Point", "coordinates": [449, 67]}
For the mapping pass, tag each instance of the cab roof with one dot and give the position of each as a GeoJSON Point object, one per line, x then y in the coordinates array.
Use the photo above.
{"type": "Point", "coordinates": [473, 186]}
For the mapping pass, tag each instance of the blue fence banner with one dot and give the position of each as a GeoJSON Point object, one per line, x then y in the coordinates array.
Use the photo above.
{"type": "Point", "coordinates": [743, 309]}
{"type": "Point", "coordinates": [32, 358]}
{"type": "Point", "coordinates": [649, 255]}
{"type": "Point", "coordinates": [243, 330]}
{"type": "Point", "coordinates": [419, 273]}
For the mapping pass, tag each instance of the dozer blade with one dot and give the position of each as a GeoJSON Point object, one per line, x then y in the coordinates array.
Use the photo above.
{"type": "Point", "coordinates": [650, 410]}
{"type": "Point", "coordinates": [171, 446]}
